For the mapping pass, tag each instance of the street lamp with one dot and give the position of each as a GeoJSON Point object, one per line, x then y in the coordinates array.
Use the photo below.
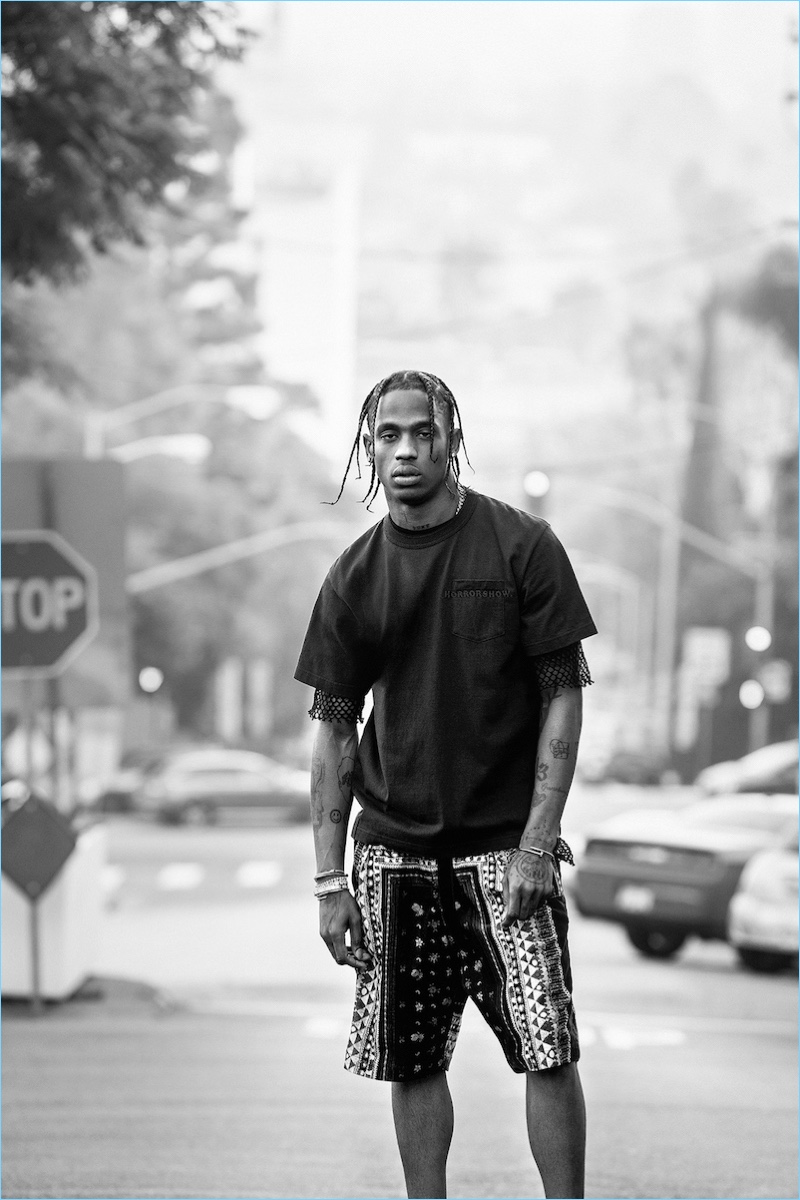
{"type": "Point", "coordinates": [751, 694]}
{"type": "Point", "coordinates": [256, 401]}
{"type": "Point", "coordinates": [192, 448]}
{"type": "Point", "coordinates": [758, 638]}
{"type": "Point", "coordinates": [536, 485]}
{"type": "Point", "coordinates": [675, 531]}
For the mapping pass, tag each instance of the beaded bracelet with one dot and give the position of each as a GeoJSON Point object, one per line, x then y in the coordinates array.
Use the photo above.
{"type": "Point", "coordinates": [338, 883]}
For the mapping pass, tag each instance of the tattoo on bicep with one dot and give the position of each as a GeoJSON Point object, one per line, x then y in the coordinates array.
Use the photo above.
{"type": "Point", "coordinates": [559, 748]}
{"type": "Point", "coordinates": [542, 771]}
{"type": "Point", "coordinates": [345, 776]}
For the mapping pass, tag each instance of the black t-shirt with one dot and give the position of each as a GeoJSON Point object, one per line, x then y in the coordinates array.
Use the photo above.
{"type": "Point", "coordinates": [442, 626]}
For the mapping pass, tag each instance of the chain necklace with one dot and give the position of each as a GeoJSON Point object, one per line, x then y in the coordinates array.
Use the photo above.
{"type": "Point", "coordinates": [462, 495]}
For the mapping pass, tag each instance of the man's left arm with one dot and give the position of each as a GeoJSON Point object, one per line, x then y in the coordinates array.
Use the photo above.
{"type": "Point", "coordinates": [530, 878]}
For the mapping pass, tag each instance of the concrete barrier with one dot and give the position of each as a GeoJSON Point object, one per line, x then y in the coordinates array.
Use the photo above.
{"type": "Point", "coordinates": [71, 912]}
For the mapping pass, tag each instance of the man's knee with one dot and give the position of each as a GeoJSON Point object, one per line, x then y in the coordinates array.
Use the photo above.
{"type": "Point", "coordinates": [558, 1076]}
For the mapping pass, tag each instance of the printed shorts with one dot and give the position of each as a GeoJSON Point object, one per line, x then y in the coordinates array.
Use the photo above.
{"type": "Point", "coordinates": [433, 929]}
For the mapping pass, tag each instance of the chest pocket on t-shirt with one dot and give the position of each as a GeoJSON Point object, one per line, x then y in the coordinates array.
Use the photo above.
{"type": "Point", "coordinates": [477, 608]}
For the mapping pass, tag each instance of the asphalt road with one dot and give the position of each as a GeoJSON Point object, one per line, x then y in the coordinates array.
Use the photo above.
{"type": "Point", "coordinates": [689, 1066]}
{"type": "Point", "coordinates": [228, 1081]}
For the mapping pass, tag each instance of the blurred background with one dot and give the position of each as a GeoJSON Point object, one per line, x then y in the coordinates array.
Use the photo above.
{"type": "Point", "coordinates": [223, 223]}
{"type": "Point", "coordinates": [584, 218]}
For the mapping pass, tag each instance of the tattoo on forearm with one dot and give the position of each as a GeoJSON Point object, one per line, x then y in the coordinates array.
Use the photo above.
{"type": "Point", "coordinates": [317, 773]}
{"type": "Point", "coordinates": [542, 771]}
{"type": "Point", "coordinates": [345, 776]}
{"type": "Point", "coordinates": [317, 782]}
{"type": "Point", "coordinates": [335, 816]}
{"type": "Point", "coordinates": [558, 748]}
{"type": "Point", "coordinates": [538, 799]}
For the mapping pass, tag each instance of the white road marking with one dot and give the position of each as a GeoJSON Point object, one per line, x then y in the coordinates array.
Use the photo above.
{"type": "Point", "coordinates": [258, 874]}
{"type": "Point", "coordinates": [617, 1031]}
{"type": "Point", "coordinates": [327, 1028]}
{"type": "Point", "coordinates": [749, 1026]}
{"type": "Point", "coordinates": [619, 1037]}
{"type": "Point", "coordinates": [112, 878]}
{"type": "Point", "coordinates": [180, 876]}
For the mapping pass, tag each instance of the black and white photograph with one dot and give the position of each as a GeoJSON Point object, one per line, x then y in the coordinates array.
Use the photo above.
{"type": "Point", "coordinates": [399, 599]}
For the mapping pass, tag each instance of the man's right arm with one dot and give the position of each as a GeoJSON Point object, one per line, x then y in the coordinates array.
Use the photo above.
{"type": "Point", "coordinates": [332, 762]}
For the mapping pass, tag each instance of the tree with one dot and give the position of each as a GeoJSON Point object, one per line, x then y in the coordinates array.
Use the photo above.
{"type": "Point", "coordinates": [97, 120]}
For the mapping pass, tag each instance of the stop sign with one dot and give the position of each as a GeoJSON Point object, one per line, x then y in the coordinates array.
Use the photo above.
{"type": "Point", "coordinates": [49, 602]}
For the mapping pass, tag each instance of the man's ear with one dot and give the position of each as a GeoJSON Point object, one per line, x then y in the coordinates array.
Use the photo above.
{"type": "Point", "coordinates": [455, 442]}
{"type": "Point", "coordinates": [368, 446]}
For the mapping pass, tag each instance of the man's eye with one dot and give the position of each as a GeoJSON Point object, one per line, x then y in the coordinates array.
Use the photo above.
{"type": "Point", "coordinates": [424, 433]}
{"type": "Point", "coordinates": [386, 437]}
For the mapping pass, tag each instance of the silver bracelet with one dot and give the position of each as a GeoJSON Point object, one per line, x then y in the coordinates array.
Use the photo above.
{"type": "Point", "coordinates": [337, 883]}
{"type": "Point", "coordinates": [535, 850]}
{"type": "Point", "coordinates": [329, 874]}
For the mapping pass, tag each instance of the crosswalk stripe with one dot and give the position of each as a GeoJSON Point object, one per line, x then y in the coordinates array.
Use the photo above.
{"type": "Point", "coordinates": [180, 876]}
{"type": "Point", "coordinates": [112, 878]}
{"type": "Point", "coordinates": [258, 874]}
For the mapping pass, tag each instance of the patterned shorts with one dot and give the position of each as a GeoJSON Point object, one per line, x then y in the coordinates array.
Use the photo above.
{"type": "Point", "coordinates": [432, 927]}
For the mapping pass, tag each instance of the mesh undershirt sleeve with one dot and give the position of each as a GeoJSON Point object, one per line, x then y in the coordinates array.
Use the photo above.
{"type": "Point", "coordinates": [335, 708]}
{"type": "Point", "coordinates": [562, 668]}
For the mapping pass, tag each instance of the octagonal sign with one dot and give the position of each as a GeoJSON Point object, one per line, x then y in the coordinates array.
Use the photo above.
{"type": "Point", "coordinates": [49, 602]}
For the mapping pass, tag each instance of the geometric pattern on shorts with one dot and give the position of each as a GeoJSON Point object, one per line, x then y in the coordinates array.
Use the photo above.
{"type": "Point", "coordinates": [433, 931]}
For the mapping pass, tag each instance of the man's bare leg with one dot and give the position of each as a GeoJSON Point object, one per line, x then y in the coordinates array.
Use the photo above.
{"type": "Point", "coordinates": [423, 1122]}
{"type": "Point", "coordinates": [557, 1128]}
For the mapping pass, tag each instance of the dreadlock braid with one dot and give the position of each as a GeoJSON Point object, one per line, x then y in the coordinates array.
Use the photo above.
{"type": "Point", "coordinates": [436, 391]}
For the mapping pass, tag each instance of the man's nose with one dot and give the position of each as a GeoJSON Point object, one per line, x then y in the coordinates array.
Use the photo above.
{"type": "Point", "coordinates": [406, 447]}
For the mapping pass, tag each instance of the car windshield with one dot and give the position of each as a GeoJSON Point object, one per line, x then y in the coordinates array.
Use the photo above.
{"type": "Point", "coordinates": [738, 816]}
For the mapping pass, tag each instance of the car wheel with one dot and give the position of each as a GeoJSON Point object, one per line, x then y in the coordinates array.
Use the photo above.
{"type": "Point", "coordinates": [766, 962]}
{"type": "Point", "coordinates": [655, 943]}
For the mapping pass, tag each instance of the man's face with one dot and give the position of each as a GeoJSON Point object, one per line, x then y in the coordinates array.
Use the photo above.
{"type": "Point", "coordinates": [401, 445]}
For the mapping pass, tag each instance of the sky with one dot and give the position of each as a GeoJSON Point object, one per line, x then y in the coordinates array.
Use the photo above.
{"type": "Point", "coordinates": [741, 48]}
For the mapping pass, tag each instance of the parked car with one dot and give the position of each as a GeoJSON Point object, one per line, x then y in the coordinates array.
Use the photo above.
{"type": "Point", "coordinates": [763, 914]}
{"type": "Point", "coordinates": [667, 875]}
{"type": "Point", "coordinates": [116, 793]}
{"type": "Point", "coordinates": [770, 769]}
{"type": "Point", "coordinates": [195, 786]}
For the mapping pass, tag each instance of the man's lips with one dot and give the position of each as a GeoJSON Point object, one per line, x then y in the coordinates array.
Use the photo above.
{"type": "Point", "coordinates": [405, 474]}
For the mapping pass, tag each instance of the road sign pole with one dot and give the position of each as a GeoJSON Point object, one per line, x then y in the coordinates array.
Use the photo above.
{"type": "Point", "coordinates": [28, 724]}
{"type": "Point", "coordinates": [36, 987]}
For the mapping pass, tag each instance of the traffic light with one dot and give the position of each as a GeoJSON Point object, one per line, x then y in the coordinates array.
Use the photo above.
{"type": "Point", "coordinates": [536, 485]}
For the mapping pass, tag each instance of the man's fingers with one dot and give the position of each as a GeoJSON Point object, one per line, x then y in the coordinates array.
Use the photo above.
{"type": "Point", "coordinates": [511, 913]}
{"type": "Point", "coordinates": [343, 918]}
{"type": "Point", "coordinates": [523, 905]}
{"type": "Point", "coordinates": [338, 949]}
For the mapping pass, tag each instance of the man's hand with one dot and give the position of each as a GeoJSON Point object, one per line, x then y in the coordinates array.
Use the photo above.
{"type": "Point", "coordinates": [527, 883]}
{"type": "Point", "coordinates": [338, 914]}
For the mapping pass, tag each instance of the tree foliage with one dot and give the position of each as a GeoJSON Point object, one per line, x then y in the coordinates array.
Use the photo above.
{"type": "Point", "coordinates": [97, 104]}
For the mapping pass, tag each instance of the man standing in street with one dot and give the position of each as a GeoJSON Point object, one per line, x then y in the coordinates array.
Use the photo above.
{"type": "Point", "coordinates": [463, 617]}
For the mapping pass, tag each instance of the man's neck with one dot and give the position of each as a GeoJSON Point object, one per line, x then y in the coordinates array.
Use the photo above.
{"type": "Point", "coordinates": [417, 517]}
